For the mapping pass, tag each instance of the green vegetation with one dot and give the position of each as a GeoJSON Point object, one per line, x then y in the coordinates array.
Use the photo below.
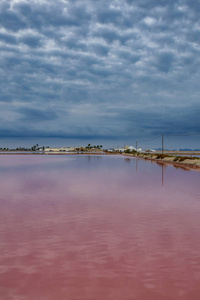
{"type": "Point", "coordinates": [94, 147]}
{"type": "Point", "coordinates": [131, 151]}
{"type": "Point", "coordinates": [33, 148]}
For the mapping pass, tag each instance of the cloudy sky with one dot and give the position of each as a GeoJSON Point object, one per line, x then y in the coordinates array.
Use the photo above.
{"type": "Point", "coordinates": [98, 69]}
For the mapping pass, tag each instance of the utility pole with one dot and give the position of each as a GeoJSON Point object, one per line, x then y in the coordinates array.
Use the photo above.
{"type": "Point", "coordinates": [136, 145]}
{"type": "Point", "coordinates": [162, 143]}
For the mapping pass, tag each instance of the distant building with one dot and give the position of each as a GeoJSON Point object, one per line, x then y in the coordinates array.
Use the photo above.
{"type": "Point", "coordinates": [120, 150]}
{"type": "Point", "coordinates": [130, 148]}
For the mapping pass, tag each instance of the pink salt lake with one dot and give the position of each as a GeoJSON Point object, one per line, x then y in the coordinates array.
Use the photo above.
{"type": "Point", "coordinates": [98, 228]}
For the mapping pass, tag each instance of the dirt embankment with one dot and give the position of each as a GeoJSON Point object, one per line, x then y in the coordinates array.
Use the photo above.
{"type": "Point", "coordinates": [177, 161]}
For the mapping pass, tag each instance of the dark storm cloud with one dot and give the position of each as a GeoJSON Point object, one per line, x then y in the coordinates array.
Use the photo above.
{"type": "Point", "coordinates": [7, 38]}
{"type": "Point", "coordinates": [165, 61]}
{"type": "Point", "coordinates": [9, 18]}
{"type": "Point", "coordinates": [31, 41]}
{"type": "Point", "coordinates": [110, 67]}
{"type": "Point", "coordinates": [139, 121]}
{"type": "Point", "coordinates": [44, 13]}
{"type": "Point", "coordinates": [109, 16]}
{"type": "Point", "coordinates": [99, 49]}
{"type": "Point", "coordinates": [32, 115]}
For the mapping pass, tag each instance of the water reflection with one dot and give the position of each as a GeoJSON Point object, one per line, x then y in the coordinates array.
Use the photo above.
{"type": "Point", "coordinates": [107, 231]}
{"type": "Point", "coordinates": [127, 160]}
{"type": "Point", "coordinates": [163, 170]}
{"type": "Point", "coordinates": [91, 158]}
{"type": "Point", "coordinates": [163, 166]}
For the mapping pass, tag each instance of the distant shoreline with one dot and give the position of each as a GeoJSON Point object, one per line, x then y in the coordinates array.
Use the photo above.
{"type": "Point", "coordinates": [49, 153]}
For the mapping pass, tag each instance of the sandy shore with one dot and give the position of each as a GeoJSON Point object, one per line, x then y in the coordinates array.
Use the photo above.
{"type": "Point", "coordinates": [177, 161]}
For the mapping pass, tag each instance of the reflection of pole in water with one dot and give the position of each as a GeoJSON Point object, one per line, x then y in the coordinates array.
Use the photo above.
{"type": "Point", "coordinates": [136, 164]}
{"type": "Point", "coordinates": [163, 170]}
{"type": "Point", "coordinates": [127, 160]}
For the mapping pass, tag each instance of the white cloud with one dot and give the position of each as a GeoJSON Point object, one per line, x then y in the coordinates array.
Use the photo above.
{"type": "Point", "coordinates": [149, 21]}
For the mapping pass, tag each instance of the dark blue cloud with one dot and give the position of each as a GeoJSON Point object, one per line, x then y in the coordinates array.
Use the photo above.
{"type": "Point", "coordinates": [36, 115]}
{"type": "Point", "coordinates": [31, 41]}
{"type": "Point", "coordinates": [109, 16]}
{"type": "Point", "coordinates": [99, 68]}
{"type": "Point", "coordinates": [109, 35]}
{"type": "Point", "coordinates": [7, 38]}
{"type": "Point", "coordinates": [128, 56]}
{"type": "Point", "coordinates": [10, 19]}
{"type": "Point", "coordinates": [100, 49]}
{"type": "Point", "coordinates": [165, 61]}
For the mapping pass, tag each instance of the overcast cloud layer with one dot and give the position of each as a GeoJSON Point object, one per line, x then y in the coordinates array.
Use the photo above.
{"type": "Point", "coordinates": [98, 68]}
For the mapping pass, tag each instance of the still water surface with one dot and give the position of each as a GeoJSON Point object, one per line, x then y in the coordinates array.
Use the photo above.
{"type": "Point", "coordinates": [98, 228]}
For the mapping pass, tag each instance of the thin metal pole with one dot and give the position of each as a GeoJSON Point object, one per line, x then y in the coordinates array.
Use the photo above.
{"type": "Point", "coordinates": [136, 145]}
{"type": "Point", "coordinates": [162, 143]}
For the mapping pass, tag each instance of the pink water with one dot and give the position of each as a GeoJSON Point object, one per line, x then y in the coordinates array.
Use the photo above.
{"type": "Point", "coordinates": [98, 228]}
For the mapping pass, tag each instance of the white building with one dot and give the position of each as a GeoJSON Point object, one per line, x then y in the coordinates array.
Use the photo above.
{"type": "Point", "coordinates": [130, 148]}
